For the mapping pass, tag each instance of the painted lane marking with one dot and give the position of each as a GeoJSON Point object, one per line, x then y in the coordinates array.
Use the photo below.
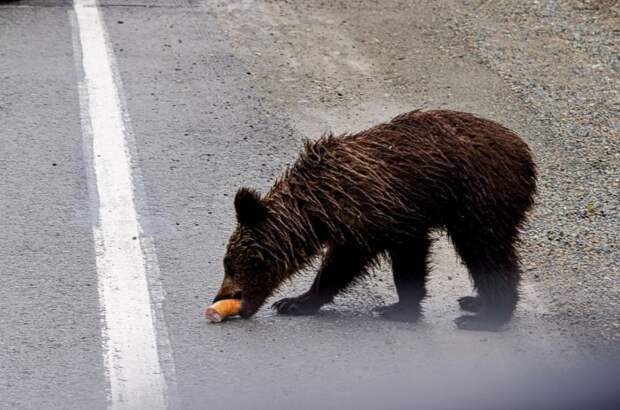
{"type": "Point", "coordinates": [131, 356]}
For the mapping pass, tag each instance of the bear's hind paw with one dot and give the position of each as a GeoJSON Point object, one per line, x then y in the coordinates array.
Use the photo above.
{"type": "Point", "coordinates": [470, 304]}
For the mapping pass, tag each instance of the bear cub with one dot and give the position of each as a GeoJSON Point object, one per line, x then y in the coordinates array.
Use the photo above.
{"type": "Point", "coordinates": [356, 197]}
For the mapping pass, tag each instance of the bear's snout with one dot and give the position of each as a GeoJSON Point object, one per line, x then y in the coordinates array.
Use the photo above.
{"type": "Point", "coordinates": [228, 290]}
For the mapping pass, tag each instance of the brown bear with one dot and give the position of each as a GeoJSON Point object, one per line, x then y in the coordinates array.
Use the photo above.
{"type": "Point", "coordinates": [357, 197]}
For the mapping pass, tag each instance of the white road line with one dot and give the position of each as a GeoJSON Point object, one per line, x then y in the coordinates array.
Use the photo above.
{"type": "Point", "coordinates": [129, 333]}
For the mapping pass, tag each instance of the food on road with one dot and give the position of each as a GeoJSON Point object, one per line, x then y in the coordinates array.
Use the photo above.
{"type": "Point", "coordinates": [222, 309]}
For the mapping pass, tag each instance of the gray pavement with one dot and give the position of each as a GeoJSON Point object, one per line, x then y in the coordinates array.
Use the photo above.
{"type": "Point", "coordinates": [50, 347]}
{"type": "Point", "coordinates": [219, 94]}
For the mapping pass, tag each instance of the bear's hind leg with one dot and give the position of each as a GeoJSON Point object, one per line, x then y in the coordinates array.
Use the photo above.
{"type": "Point", "coordinates": [410, 269]}
{"type": "Point", "coordinates": [340, 267]}
{"type": "Point", "coordinates": [494, 268]}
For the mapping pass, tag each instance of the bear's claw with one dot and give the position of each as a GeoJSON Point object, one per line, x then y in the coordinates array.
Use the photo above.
{"type": "Point", "coordinates": [295, 306]}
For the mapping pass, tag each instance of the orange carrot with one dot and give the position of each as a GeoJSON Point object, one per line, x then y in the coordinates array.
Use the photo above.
{"type": "Point", "coordinates": [222, 309]}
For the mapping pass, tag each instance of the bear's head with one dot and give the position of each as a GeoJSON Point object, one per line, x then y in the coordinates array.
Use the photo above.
{"type": "Point", "coordinates": [250, 271]}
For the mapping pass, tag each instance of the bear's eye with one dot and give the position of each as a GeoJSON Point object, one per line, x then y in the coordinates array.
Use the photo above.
{"type": "Point", "coordinates": [256, 264]}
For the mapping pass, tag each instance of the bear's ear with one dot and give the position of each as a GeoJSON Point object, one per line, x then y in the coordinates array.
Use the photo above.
{"type": "Point", "coordinates": [249, 207]}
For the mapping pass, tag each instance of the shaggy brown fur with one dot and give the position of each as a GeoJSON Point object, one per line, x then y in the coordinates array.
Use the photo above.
{"type": "Point", "coordinates": [380, 192]}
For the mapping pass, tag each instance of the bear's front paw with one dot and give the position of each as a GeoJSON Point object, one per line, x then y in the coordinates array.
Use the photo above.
{"type": "Point", "coordinates": [399, 312]}
{"type": "Point", "coordinates": [295, 306]}
{"type": "Point", "coordinates": [479, 322]}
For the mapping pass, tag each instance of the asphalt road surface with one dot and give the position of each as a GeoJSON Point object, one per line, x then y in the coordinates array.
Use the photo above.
{"type": "Point", "coordinates": [208, 96]}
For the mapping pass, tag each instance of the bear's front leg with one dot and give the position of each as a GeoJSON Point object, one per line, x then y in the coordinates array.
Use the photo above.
{"type": "Point", "coordinates": [340, 266]}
